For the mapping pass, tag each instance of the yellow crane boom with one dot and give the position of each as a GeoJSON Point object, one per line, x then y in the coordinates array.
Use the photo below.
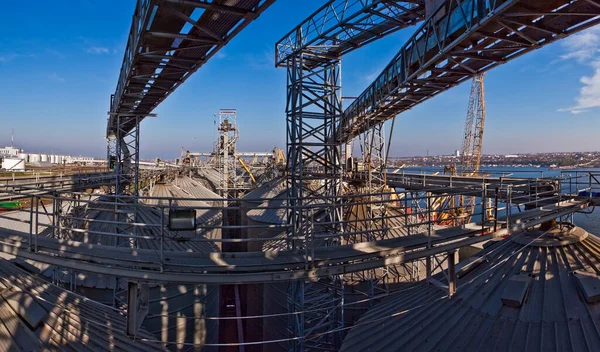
{"type": "Point", "coordinates": [247, 169]}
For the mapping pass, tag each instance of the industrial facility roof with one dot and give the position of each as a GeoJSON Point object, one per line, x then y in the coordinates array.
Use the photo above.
{"type": "Point", "coordinates": [212, 176]}
{"type": "Point", "coordinates": [149, 215]}
{"type": "Point", "coordinates": [271, 189]}
{"type": "Point", "coordinates": [271, 211]}
{"type": "Point", "coordinates": [36, 316]}
{"type": "Point", "coordinates": [18, 221]}
{"type": "Point", "coordinates": [534, 292]}
{"type": "Point", "coordinates": [195, 189]}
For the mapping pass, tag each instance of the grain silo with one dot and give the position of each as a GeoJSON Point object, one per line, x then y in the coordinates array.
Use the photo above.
{"type": "Point", "coordinates": [34, 158]}
{"type": "Point", "coordinates": [39, 316]}
{"type": "Point", "coordinates": [263, 211]}
{"type": "Point", "coordinates": [535, 291]}
{"type": "Point", "coordinates": [23, 156]}
{"type": "Point", "coordinates": [267, 221]}
{"type": "Point", "coordinates": [176, 312]}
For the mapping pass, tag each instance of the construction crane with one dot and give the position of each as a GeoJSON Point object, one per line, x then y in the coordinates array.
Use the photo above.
{"type": "Point", "coordinates": [473, 137]}
{"type": "Point", "coordinates": [470, 157]}
{"type": "Point", "coordinates": [473, 140]}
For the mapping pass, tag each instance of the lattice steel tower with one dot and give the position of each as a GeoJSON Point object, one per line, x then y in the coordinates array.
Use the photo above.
{"type": "Point", "coordinates": [473, 138]}
{"type": "Point", "coordinates": [225, 149]}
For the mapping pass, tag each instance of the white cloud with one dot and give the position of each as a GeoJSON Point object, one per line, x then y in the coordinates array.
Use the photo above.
{"type": "Point", "coordinates": [583, 46]}
{"type": "Point", "coordinates": [370, 77]}
{"type": "Point", "coordinates": [585, 49]}
{"type": "Point", "coordinates": [589, 94]}
{"type": "Point", "coordinates": [56, 77]}
{"type": "Point", "coordinates": [98, 50]}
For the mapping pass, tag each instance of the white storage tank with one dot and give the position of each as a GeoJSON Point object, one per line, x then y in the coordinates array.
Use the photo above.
{"type": "Point", "coordinates": [33, 158]}
{"type": "Point", "coordinates": [23, 156]}
{"type": "Point", "coordinates": [44, 158]}
{"type": "Point", "coordinates": [13, 164]}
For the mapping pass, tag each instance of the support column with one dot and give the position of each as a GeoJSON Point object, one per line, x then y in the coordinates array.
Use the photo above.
{"type": "Point", "coordinates": [123, 135]}
{"type": "Point", "coordinates": [138, 298]}
{"type": "Point", "coordinates": [451, 273]}
{"type": "Point", "coordinates": [314, 108]}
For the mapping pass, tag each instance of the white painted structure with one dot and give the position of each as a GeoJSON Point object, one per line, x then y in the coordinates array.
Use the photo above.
{"type": "Point", "coordinates": [46, 159]}
{"type": "Point", "coordinates": [13, 164]}
{"type": "Point", "coordinates": [10, 151]}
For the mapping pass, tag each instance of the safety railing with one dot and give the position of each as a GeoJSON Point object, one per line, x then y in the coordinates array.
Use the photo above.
{"type": "Point", "coordinates": [242, 235]}
{"type": "Point", "coordinates": [581, 182]}
{"type": "Point", "coordinates": [96, 218]}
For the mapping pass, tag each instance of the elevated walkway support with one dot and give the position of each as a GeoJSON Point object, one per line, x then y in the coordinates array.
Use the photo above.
{"type": "Point", "coordinates": [458, 41]}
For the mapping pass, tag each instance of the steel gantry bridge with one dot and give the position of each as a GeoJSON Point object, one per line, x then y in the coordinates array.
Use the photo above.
{"type": "Point", "coordinates": [460, 40]}
{"type": "Point", "coordinates": [312, 54]}
{"type": "Point", "coordinates": [169, 40]}
{"type": "Point", "coordinates": [457, 40]}
{"type": "Point", "coordinates": [320, 245]}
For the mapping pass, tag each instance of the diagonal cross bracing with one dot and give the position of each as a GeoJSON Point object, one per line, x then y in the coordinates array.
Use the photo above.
{"type": "Point", "coordinates": [312, 53]}
{"type": "Point", "coordinates": [341, 26]}
{"type": "Point", "coordinates": [461, 39]}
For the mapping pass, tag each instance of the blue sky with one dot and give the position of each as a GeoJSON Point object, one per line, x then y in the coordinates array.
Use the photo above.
{"type": "Point", "coordinates": [59, 63]}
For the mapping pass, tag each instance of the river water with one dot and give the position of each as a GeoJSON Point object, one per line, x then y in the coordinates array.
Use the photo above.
{"type": "Point", "coordinates": [589, 222]}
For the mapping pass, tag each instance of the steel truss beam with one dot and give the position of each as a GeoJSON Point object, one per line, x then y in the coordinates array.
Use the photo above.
{"type": "Point", "coordinates": [159, 57]}
{"type": "Point", "coordinates": [461, 39]}
{"type": "Point", "coordinates": [341, 26]}
{"type": "Point", "coordinates": [124, 155]}
{"type": "Point", "coordinates": [314, 106]}
{"type": "Point", "coordinates": [370, 216]}
{"type": "Point", "coordinates": [311, 52]}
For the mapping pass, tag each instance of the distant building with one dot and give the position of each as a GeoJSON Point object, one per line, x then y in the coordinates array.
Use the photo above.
{"type": "Point", "coordinates": [511, 156]}
{"type": "Point", "coordinates": [11, 155]}
{"type": "Point", "coordinates": [10, 151]}
{"type": "Point", "coordinates": [457, 153]}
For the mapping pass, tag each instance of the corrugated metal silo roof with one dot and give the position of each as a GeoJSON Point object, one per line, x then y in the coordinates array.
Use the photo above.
{"type": "Point", "coordinates": [522, 295]}
{"type": "Point", "coordinates": [271, 189]}
{"type": "Point", "coordinates": [36, 316]}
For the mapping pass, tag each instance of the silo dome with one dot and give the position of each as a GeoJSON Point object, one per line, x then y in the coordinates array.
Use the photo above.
{"type": "Point", "coordinates": [536, 291]}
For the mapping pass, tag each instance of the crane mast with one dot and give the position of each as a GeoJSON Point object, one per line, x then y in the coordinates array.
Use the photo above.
{"type": "Point", "coordinates": [473, 137]}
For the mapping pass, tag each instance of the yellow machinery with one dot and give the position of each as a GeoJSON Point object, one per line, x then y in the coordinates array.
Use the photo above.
{"type": "Point", "coordinates": [278, 157]}
{"type": "Point", "coordinates": [247, 169]}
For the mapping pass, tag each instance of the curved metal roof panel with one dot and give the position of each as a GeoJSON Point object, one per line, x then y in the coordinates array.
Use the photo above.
{"type": "Point", "coordinates": [520, 296]}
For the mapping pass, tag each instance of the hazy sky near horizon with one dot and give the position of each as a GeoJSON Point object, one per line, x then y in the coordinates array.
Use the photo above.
{"type": "Point", "coordinates": [60, 60]}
